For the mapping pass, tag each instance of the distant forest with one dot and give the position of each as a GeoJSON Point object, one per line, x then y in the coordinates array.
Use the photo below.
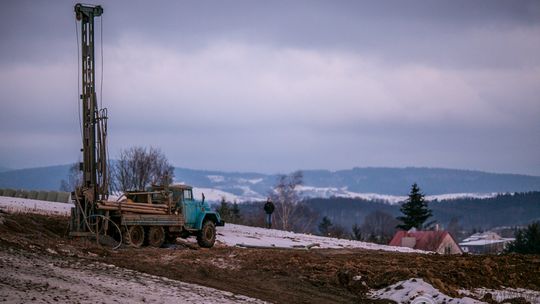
{"type": "Point", "coordinates": [470, 213]}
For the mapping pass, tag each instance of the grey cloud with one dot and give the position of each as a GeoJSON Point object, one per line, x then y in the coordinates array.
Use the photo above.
{"type": "Point", "coordinates": [442, 32]}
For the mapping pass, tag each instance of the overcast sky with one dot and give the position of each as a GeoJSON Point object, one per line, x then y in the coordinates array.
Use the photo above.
{"type": "Point", "coordinates": [274, 86]}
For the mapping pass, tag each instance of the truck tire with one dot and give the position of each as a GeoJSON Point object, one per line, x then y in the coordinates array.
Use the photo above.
{"type": "Point", "coordinates": [135, 236]}
{"type": "Point", "coordinates": [156, 236]}
{"type": "Point", "coordinates": [207, 236]}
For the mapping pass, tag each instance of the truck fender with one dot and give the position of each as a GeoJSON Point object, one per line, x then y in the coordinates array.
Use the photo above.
{"type": "Point", "coordinates": [210, 216]}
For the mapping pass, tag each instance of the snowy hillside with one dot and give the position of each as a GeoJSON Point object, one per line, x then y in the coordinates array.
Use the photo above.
{"type": "Point", "coordinates": [238, 235]}
{"type": "Point", "coordinates": [248, 195]}
{"type": "Point", "coordinates": [381, 184]}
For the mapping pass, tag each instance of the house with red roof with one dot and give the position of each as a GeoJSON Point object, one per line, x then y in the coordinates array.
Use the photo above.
{"type": "Point", "coordinates": [439, 241]}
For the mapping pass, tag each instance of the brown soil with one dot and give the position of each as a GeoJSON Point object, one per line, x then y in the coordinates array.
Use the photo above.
{"type": "Point", "coordinates": [280, 276]}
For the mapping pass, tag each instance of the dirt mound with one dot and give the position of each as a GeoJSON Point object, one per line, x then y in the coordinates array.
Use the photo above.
{"type": "Point", "coordinates": [34, 225]}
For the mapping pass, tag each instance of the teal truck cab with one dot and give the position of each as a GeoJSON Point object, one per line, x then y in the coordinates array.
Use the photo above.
{"type": "Point", "coordinates": [161, 214]}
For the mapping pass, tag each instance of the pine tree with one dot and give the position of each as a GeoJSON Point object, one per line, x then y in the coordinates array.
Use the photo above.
{"type": "Point", "coordinates": [527, 241]}
{"type": "Point", "coordinates": [415, 210]}
{"type": "Point", "coordinates": [224, 210]}
{"type": "Point", "coordinates": [235, 214]}
{"type": "Point", "coordinates": [324, 226]}
{"type": "Point", "coordinates": [356, 232]}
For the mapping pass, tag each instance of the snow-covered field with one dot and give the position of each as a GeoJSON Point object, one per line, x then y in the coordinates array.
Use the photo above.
{"type": "Point", "coordinates": [15, 204]}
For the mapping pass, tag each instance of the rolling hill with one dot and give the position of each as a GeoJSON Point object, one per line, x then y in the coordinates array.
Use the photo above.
{"type": "Point", "coordinates": [390, 184]}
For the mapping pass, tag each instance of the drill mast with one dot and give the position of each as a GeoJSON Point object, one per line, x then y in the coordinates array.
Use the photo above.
{"type": "Point", "coordinates": [95, 184]}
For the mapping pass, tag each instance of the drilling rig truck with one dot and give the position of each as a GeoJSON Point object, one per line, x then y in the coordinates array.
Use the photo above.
{"type": "Point", "coordinates": [152, 217]}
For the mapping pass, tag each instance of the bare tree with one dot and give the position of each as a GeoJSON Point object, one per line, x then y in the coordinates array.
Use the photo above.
{"type": "Point", "coordinates": [303, 218]}
{"type": "Point", "coordinates": [139, 167]}
{"type": "Point", "coordinates": [378, 226]}
{"type": "Point", "coordinates": [162, 171]}
{"type": "Point", "coordinates": [74, 179]}
{"type": "Point", "coordinates": [339, 232]}
{"type": "Point", "coordinates": [291, 213]}
{"type": "Point", "coordinates": [286, 198]}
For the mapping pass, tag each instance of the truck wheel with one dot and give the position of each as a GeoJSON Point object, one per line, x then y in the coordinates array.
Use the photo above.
{"type": "Point", "coordinates": [135, 236]}
{"type": "Point", "coordinates": [156, 236]}
{"type": "Point", "coordinates": [207, 236]}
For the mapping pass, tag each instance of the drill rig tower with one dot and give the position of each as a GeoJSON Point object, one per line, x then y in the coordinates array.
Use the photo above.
{"type": "Point", "coordinates": [95, 184]}
{"type": "Point", "coordinates": [151, 216]}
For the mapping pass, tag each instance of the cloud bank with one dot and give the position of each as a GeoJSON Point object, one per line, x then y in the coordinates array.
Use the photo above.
{"type": "Point", "coordinates": [274, 88]}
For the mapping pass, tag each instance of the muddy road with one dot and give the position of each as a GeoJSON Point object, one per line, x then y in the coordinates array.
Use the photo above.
{"type": "Point", "coordinates": [274, 275]}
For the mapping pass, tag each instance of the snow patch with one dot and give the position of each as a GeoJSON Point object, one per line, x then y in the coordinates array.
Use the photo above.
{"type": "Point", "coordinates": [215, 195]}
{"type": "Point", "coordinates": [216, 178]}
{"type": "Point", "coordinates": [327, 192]}
{"type": "Point", "coordinates": [248, 193]}
{"type": "Point", "coordinates": [232, 235]}
{"type": "Point", "coordinates": [15, 204]}
{"type": "Point", "coordinates": [250, 181]}
{"type": "Point", "coordinates": [417, 291]}
{"type": "Point", "coordinates": [500, 295]}
{"type": "Point", "coordinates": [453, 196]}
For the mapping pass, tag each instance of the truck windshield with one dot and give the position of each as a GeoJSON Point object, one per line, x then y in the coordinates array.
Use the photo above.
{"type": "Point", "coordinates": [188, 195]}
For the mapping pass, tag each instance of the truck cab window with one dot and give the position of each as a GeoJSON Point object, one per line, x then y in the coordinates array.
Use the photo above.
{"type": "Point", "coordinates": [188, 195]}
